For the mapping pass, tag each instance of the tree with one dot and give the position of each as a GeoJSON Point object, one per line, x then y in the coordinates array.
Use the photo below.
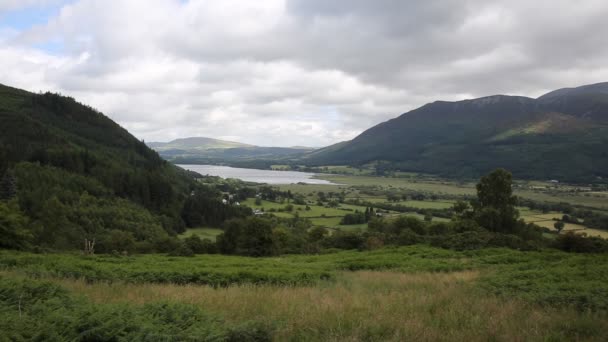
{"type": "Point", "coordinates": [13, 232]}
{"type": "Point", "coordinates": [495, 205]}
{"type": "Point", "coordinates": [8, 186]}
{"type": "Point", "coordinates": [559, 225]}
{"type": "Point", "coordinates": [251, 236]}
{"type": "Point", "coordinates": [428, 217]}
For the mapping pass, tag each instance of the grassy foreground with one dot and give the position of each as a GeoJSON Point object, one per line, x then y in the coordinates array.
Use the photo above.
{"type": "Point", "coordinates": [407, 293]}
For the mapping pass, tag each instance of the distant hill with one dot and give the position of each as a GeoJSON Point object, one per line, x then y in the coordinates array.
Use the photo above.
{"type": "Point", "coordinates": [561, 135]}
{"type": "Point", "coordinates": [195, 144]}
{"type": "Point", "coordinates": [76, 174]}
{"type": "Point", "coordinates": [201, 150]}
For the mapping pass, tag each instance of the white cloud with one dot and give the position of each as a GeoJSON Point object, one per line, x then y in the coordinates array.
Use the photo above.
{"type": "Point", "coordinates": [298, 72]}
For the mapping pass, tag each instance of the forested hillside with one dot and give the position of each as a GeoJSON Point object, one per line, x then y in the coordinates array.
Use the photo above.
{"type": "Point", "coordinates": [69, 173]}
{"type": "Point", "coordinates": [562, 135]}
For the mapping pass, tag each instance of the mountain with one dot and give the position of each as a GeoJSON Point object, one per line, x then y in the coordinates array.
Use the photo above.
{"type": "Point", "coordinates": [561, 135]}
{"type": "Point", "coordinates": [72, 173]}
{"type": "Point", "coordinates": [203, 150]}
{"type": "Point", "coordinates": [195, 144]}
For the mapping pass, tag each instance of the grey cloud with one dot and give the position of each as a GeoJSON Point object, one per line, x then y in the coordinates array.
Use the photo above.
{"type": "Point", "coordinates": [302, 72]}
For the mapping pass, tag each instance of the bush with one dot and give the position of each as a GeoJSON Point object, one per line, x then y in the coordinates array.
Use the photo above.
{"type": "Point", "coordinates": [571, 242]}
{"type": "Point", "coordinates": [182, 250]}
{"type": "Point", "coordinates": [463, 241]}
{"type": "Point", "coordinates": [35, 310]}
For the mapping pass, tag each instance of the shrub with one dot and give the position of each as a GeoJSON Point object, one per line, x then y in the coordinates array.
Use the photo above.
{"type": "Point", "coordinates": [35, 310]}
{"type": "Point", "coordinates": [182, 250]}
{"type": "Point", "coordinates": [571, 242]}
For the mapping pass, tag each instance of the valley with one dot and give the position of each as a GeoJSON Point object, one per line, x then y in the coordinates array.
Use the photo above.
{"type": "Point", "coordinates": [238, 254]}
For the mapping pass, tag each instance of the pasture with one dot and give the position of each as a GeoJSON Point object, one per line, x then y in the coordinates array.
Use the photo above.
{"type": "Point", "coordinates": [203, 233]}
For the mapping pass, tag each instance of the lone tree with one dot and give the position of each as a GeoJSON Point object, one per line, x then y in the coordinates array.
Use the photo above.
{"type": "Point", "coordinates": [559, 225]}
{"type": "Point", "coordinates": [495, 205]}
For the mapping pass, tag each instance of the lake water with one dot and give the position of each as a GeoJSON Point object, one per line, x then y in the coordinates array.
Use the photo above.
{"type": "Point", "coordinates": [258, 176]}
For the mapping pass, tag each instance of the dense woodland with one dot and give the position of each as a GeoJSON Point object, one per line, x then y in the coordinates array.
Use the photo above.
{"type": "Point", "coordinates": [68, 173]}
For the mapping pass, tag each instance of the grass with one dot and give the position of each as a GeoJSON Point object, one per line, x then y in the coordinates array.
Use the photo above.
{"type": "Point", "coordinates": [547, 220]}
{"type": "Point", "coordinates": [391, 294]}
{"type": "Point", "coordinates": [203, 233]}
{"type": "Point", "coordinates": [546, 277]}
{"type": "Point", "coordinates": [320, 216]}
{"type": "Point", "coordinates": [598, 201]}
{"type": "Point", "coordinates": [444, 187]}
{"type": "Point", "coordinates": [436, 186]}
{"type": "Point", "coordinates": [367, 305]}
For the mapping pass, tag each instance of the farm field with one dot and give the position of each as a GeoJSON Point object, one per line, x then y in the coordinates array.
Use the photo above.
{"type": "Point", "coordinates": [203, 233]}
{"type": "Point", "coordinates": [331, 217]}
{"type": "Point", "coordinates": [548, 220]}
{"type": "Point", "coordinates": [404, 183]}
{"type": "Point", "coordinates": [390, 294]}
{"type": "Point", "coordinates": [597, 200]}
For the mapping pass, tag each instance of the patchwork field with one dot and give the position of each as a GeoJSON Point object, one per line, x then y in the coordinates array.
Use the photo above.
{"type": "Point", "coordinates": [562, 193]}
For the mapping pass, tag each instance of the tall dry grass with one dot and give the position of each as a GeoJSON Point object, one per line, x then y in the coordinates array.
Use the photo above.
{"type": "Point", "coordinates": [370, 306]}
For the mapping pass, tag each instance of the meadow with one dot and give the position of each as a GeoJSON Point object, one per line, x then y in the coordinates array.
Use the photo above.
{"type": "Point", "coordinates": [203, 233]}
{"type": "Point", "coordinates": [446, 192]}
{"type": "Point", "coordinates": [415, 292]}
{"type": "Point", "coordinates": [538, 191]}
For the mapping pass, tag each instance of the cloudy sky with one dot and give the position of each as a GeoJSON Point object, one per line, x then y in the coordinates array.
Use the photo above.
{"type": "Point", "coordinates": [293, 72]}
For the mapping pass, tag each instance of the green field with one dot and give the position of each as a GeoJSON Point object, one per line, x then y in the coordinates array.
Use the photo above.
{"type": "Point", "coordinates": [320, 216]}
{"type": "Point", "coordinates": [439, 187]}
{"type": "Point", "coordinates": [547, 220]}
{"type": "Point", "coordinates": [331, 217]}
{"type": "Point", "coordinates": [389, 294]}
{"type": "Point", "coordinates": [563, 193]}
{"type": "Point", "coordinates": [203, 233]}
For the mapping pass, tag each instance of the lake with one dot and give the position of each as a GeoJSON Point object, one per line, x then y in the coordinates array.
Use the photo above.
{"type": "Point", "coordinates": [258, 176]}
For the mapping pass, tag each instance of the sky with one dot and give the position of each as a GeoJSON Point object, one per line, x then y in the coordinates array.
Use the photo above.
{"type": "Point", "coordinates": [293, 72]}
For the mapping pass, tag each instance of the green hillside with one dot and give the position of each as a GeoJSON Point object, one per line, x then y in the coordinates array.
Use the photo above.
{"type": "Point", "coordinates": [70, 173]}
{"type": "Point", "coordinates": [562, 135]}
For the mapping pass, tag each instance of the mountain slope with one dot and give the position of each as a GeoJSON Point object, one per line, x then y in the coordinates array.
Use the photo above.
{"type": "Point", "coordinates": [535, 138]}
{"type": "Point", "coordinates": [201, 150]}
{"type": "Point", "coordinates": [80, 175]}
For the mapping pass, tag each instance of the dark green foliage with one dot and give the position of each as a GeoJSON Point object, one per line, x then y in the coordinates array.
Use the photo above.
{"type": "Point", "coordinates": [251, 236]}
{"type": "Point", "coordinates": [69, 208]}
{"type": "Point", "coordinates": [344, 240]}
{"type": "Point", "coordinates": [205, 208]}
{"type": "Point", "coordinates": [469, 138]}
{"type": "Point", "coordinates": [8, 186]}
{"type": "Point", "coordinates": [182, 250]}
{"type": "Point", "coordinates": [571, 242]}
{"type": "Point", "coordinates": [41, 311]}
{"type": "Point", "coordinates": [354, 218]}
{"type": "Point", "coordinates": [77, 174]}
{"type": "Point", "coordinates": [559, 225]}
{"type": "Point", "coordinates": [200, 246]}
{"type": "Point", "coordinates": [14, 233]}
{"type": "Point", "coordinates": [494, 208]}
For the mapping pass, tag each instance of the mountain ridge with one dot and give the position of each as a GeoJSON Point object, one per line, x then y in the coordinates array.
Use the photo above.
{"type": "Point", "coordinates": [458, 138]}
